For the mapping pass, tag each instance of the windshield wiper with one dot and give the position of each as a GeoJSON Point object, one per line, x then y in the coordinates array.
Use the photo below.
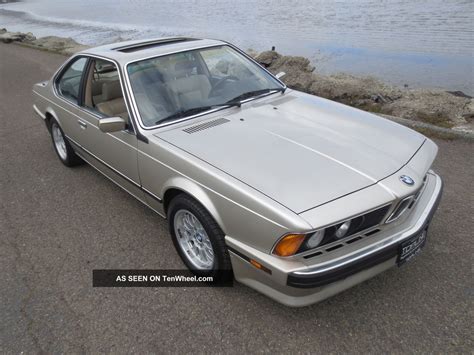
{"type": "Point", "coordinates": [195, 111]}
{"type": "Point", "coordinates": [246, 95]}
{"type": "Point", "coordinates": [236, 101]}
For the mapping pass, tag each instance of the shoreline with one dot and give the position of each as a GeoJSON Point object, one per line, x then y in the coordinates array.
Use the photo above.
{"type": "Point", "coordinates": [450, 112]}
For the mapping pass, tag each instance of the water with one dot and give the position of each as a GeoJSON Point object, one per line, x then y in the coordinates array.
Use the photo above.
{"type": "Point", "coordinates": [421, 43]}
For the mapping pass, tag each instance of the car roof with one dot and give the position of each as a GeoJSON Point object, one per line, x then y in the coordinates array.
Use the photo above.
{"type": "Point", "coordinates": [128, 51]}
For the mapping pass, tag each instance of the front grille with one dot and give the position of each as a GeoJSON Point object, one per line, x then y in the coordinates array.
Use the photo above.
{"type": "Point", "coordinates": [400, 209]}
{"type": "Point", "coordinates": [364, 226]}
{"type": "Point", "coordinates": [406, 204]}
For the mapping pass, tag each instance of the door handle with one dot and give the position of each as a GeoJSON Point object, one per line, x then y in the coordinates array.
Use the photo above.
{"type": "Point", "coordinates": [82, 124]}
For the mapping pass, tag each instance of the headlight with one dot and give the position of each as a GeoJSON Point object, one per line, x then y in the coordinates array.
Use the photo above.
{"type": "Point", "coordinates": [313, 240]}
{"type": "Point", "coordinates": [295, 243]}
{"type": "Point", "coordinates": [342, 230]}
{"type": "Point", "coordinates": [291, 244]}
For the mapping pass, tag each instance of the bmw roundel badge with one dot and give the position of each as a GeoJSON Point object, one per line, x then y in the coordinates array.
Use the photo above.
{"type": "Point", "coordinates": [407, 180]}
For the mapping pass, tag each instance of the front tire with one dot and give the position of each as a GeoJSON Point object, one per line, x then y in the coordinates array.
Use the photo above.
{"type": "Point", "coordinates": [198, 239]}
{"type": "Point", "coordinates": [62, 146]}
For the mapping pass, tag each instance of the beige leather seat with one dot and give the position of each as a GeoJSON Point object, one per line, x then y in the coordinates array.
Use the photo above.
{"type": "Point", "coordinates": [112, 104]}
{"type": "Point", "coordinates": [152, 96]}
{"type": "Point", "coordinates": [190, 89]}
{"type": "Point", "coordinates": [97, 91]}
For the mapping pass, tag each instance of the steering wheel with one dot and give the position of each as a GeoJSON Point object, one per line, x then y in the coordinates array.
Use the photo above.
{"type": "Point", "coordinates": [221, 82]}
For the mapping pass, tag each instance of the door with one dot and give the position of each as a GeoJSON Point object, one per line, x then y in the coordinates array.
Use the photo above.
{"type": "Point", "coordinates": [115, 153]}
{"type": "Point", "coordinates": [68, 88]}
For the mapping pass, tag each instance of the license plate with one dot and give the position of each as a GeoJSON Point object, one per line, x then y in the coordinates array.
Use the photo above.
{"type": "Point", "coordinates": [411, 248]}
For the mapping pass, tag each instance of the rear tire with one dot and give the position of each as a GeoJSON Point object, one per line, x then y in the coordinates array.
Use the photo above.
{"type": "Point", "coordinates": [198, 239]}
{"type": "Point", "coordinates": [62, 146]}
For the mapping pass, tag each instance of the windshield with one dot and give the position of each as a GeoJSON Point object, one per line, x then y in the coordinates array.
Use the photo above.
{"type": "Point", "coordinates": [177, 85]}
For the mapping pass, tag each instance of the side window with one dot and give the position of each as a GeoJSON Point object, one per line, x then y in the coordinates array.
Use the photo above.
{"type": "Point", "coordinates": [69, 83]}
{"type": "Point", "coordinates": [103, 90]}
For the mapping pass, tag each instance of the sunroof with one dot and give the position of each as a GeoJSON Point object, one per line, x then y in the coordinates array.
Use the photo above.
{"type": "Point", "coordinates": [152, 44]}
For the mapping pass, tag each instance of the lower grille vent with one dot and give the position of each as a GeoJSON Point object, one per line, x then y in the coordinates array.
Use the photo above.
{"type": "Point", "coordinates": [342, 244]}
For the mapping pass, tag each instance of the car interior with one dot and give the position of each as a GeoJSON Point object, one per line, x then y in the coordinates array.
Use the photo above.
{"type": "Point", "coordinates": [165, 85]}
{"type": "Point", "coordinates": [103, 91]}
{"type": "Point", "coordinates": [185, 86]}
{"type": "Point", "coordinates": [170, 84]}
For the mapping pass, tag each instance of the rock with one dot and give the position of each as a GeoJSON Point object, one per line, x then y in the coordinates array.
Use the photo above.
{"type": "Point", "coordinates": [252, 52]}
{"type": "Point", "coordinates": [59, 44]}
{"type": "Point", "coordinates": [350, 89]}
{"type": "Point", "coordinates": [52, 43]}
{"type": "Point", "coordinates": [380, 99]}
{"type": "Point", "coordinates": [469, 111]}
{"type": "Point", "coordinates": [298, 69]}
{"type": "Point", "coordinates": [8, 37]}
{"type": "Point", "coordinates": [295, 63]}
{"type": "Point", "coordinates": [267, 58]}
{"type": "Point", "coordinates": [459, 94]}
{"type": "Point", "coordinates": [432, 106]}
{"type": "Point", "coordinates": [445, 109]}
{"type": "Point", "coordinates": [29, 37]}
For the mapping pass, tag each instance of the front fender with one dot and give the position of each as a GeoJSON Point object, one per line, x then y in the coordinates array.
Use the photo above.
{"type": "Point", "coordinates": [197, 192]}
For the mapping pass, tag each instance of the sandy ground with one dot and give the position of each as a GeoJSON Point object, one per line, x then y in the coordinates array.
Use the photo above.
{"type": "Point", "coordinates": [57, 224]}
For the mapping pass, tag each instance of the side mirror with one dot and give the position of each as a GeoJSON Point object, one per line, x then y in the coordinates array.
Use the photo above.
{"type": "Point", "coordinates": [280, 75]}
{"type": "Point", "coordinates": [111, 124]}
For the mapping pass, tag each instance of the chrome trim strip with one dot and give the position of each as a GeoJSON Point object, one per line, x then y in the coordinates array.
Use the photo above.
{"type": "Point", "coordinates": [415, 198]}
{"type": "Point", "coordinates": [376, 247]}
{"type": "Point", "coordinates": [123, 188]}
{"type": "Point", "coordinates": [117, 172]}
{"type": "Point", "coordinates": [76, 115]}
{"type": "Point", "coordinates": [38, 112]}
{"type": "Point", "coordinates": [395, 210]}
{"type": "Point", "coordinates": [157, 41]}
{"type": "Point", "coordinates": [257, 63]}
{"type": "Point", "coordinates": [152, 195]}
{"type": "Point", "coordinates": [103, 162]}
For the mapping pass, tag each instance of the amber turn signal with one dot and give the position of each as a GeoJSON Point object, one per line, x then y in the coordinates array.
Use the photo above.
{"type": "Point", "coordinates": [260, 266]}
{"type": "Point", "coordinates": [289, 244]}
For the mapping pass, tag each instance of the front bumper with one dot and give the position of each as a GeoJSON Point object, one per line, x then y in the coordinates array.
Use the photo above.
{"type": "Point", "coordinates": [293, 284]}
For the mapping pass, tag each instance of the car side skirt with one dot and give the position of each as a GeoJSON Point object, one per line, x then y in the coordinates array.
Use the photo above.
{"type": "Point", "coordinates": [129, 186]}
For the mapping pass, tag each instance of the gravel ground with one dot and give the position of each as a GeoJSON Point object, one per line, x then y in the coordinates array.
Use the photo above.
{"type": "Point", "coordinates": [57, 224]}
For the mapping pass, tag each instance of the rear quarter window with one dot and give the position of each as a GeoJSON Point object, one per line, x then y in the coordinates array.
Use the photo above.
{"type": "Point", "coordinates": [68, 84]}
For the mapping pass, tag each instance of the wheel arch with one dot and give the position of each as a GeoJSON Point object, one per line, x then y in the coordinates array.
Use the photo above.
{"type": "Point", "coordinates": [179, 185]}
{"type": "Point", "coordinates": [49, 114]}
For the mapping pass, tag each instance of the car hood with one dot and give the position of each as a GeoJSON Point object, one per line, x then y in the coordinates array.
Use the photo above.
{"type": "Point", "coordinates": [300, 150]}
